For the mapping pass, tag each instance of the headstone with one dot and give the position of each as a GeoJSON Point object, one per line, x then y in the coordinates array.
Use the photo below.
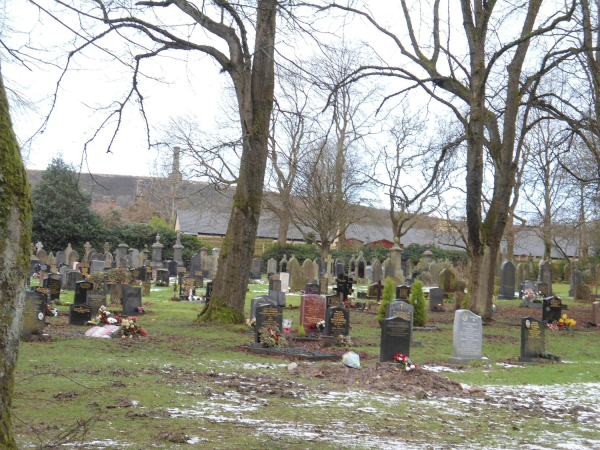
{"type": "Point", "coordinates": [73, 277]}
{"type": "Point", "coordinates": [293, 269]}
{"type": "Point", "coordinates": [352, 266]}
{"type": "Point", "coordinates": [543, 289]}
{"type": "Point", "coordinates": [576, 280]}
{"type": "Point", "coordinates": [146, 289]}
{"type": "Point", "coordinates": [507, 281]}
{"type": "Point", "coordinates": [567, 274]}
{"type": "Point", "coordinates": [436, 297]}
{"type": "Point", "coordinates": [255, 271]}
{"type": "Point", "coordinates": [50, 259]}
{"type": "Point", "coordinates": [312, 310]}
{"type": "Point", "coordinates": [520, 274]}
{"type": "Point", "coordinates": [162, 276]}
{"type": "Point", "coordinates": [272, 266]}
{"type": "Point", "coordinates": [546, 275]}
{"type": "Point", "coordinates": [87, 256]}
{"type": "Point", "coordinates": [361, 266]}
{"type": "Point", "coordinates": [377, 272]}
{"type": "Point", "coordinates": [209, 288]}
{"type": "Point", "coordinates": [344, 287]}
{"type": "Point", "coordinates": [73, 259]}
{"type": "Point", "coordinates": [323, 285]}
{"type": "Point", "coordinates": [172, 266]}
{"type": "Point", "coordinates": [275, 292]}
{"type": "Point", "coordinates": [132, 300]}
{"type": "Point", "coordinates": [319, 267]}
{"type": "Point", "coordinates": [178, 250]}
{"type": "Point", "coordinates": [34, 312]}
{"type": "Point", "coordinates": [447, 280]}
{"type": "Point", "coordinates": [402, 292]}
{"type": "Point", "coordinates": [83, 268]}
{"type": "Point", "coordinates": [285, 281]}
{"type": "Point", "coordinates": [583, 292]}
{"type": "Point", "coordinates": [337, 321]}
{"type": "Point", "coordinates": [374, 290]}
{"type": "Point", "coordinates": [257, 301]}
{"type": "Point", "coordinates": [157, 254]}
{"type": "Point", "coordinates": [54, 285]}
{"type": "Point", "coordinates": [533, 339]}
{"type": "Point", "coordinates": [108, 259]}
{"type": "Point", "coordinates": [79, 314]}
{"type": "Point", "coordinates": [467, 337]}
{"type": "Point", "coordinates": [95, 299]}
{"type": "Point", "coordinates": [42, 255]}
{"type": "Point", "coordinates": [81, 287]}
{"type": "Point", "coordinates": [596, 314]}
{"type": "Point", "coordinates": [551, 309]}
{"type": "Point", "coordinates": [97, 266]}
{"type": "Point", "coordinates": [389, 270]}
{"type": "Point", "coordinates": [434, 270]}
{"type": "Point", "coordinates": [186, 285]}
{"type": "Point", "coordinates": [60, 258]}
{"type": "Point", "coordinates": [369, 273]}
{"type": "Point", "coordinates": [395, 338]}
{"type": "Point", "coordinates": [398, 308]}
{"type": "Point", "coordinates": [215, 262]}
{"type": "Point", "coordinates": [283, 264]}
{"type": "Point", "coordinates": [135, 274]}
{"type": "Point", "coordinates": [308, 270]}
{"type": "Point", "coordinates": [312, 288]}
{"type": "Point", "coordinates": [269, 316]}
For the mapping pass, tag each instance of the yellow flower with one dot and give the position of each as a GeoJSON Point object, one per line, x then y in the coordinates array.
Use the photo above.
{"type": "Point", "coordinates": [564, 316]}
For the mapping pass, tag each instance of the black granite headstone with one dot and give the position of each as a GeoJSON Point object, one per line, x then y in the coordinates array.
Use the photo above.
{"type": "Point", "coordinates": [34, 312]}
{"type": "Point", "coordinates": [269, 316]}
{"type": "Point", "coordinates": [79, 314]}
{"type": "Point", "coordinates": [81, 287]}
{"type": "Point", "coordinates": [54, 285]}
{"type": "Point", "coordinates": [551, 309]}
{"type": "Point", "coordinates": [162, 277]}
{"type": "Point", "coordinates": [337, 321]}
{"type": "Point", "coordinates": [533, 339]}
{"type": "Point", "coordinates": [436, 297]}
{"type": "Point", "coordinates": [132, 300]}
{"type": "Point", "coordinates": [395, 338]}
{"type": "Point", "coordinates": [186, 285]}
{"type": "Point", "coordinates": [402, 292]}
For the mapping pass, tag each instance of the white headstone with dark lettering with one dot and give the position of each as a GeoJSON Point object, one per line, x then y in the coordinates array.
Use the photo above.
{"type": "Point", "coordinates": [468, 337]}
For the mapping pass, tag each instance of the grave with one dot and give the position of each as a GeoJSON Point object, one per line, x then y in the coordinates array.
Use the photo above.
{"type": "Point", "coordinates": [507, 281]}
{"type": "Point", "coordinates": [312, 288]}
{"type": "Point", "coordinates": [551, 309]}
{"type": "Point", "coordinates": [583, 293]}
{"type": "Point", "coordinates": [262, 300]}
{"type": "Point", "coordinates": [209, 288]}
{"type": "Point", "coordinates": [467, 337]}
{"type": "Point", "coordinates": [395, 338]}
{"type": "Point", "coordinates": [374, 290]}
{"type": "Point", "coordinates": [79, 314]}
{"type": "Point", "coordinates": [312, 311]}
{"type": "Point", "coordinates": [402, 292]}
{"type": "Point", "coordinates": [337, 321]}
{"type": "Point", "coordinates": [533, 343]}
{"type": "Point", "coordinates": [436, 297]}
{"type": "Point", "coordinates": [132, 300]}
{"type": "Point", "coordinates": [95, 299]}
{"type": "Point", "coordinates": [543, 289]}
{"type": "Point", "coordinates": [377, 272]}
{"type": "Point", "coordinates": [596, 314]}
{"type": "Point", "coordinates": [187, 285]}
{"type": "Point", "coordinates": [269, 316]}
{"type": "Point", "coordinates": [576, 280]}
{"type": "Point", "coordinates": [447, 280]}
{"type": "Point", "coordinates": [146, 289]}
{"type": "Point", "coordinates": [162, 277]}
{"type": "Point", "coordinates": [53, 284]}
{"type": "Point", "coordinates": [344, 287]}
{"type": "Point", "coordinates": [34, 312]}
{"type": "Point", "coordinates": [255, 271]}
{"type": "Point", "coordinates": [81, 287]}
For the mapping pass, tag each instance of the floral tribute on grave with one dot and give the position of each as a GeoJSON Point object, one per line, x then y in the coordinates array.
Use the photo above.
{"type": "Point", "coordinates": [51, 311]}
{"type": "Point", "coordinates": [563, 324]}
{"type": "Point", "coordinates": [272, 338]}
{"type": "Point", "coordinates": [109, 326]}
{"type": "Point", "coordinates": [404, 362]}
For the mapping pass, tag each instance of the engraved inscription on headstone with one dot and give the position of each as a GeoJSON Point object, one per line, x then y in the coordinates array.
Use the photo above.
{"type": "Point", "coordinates": [395, 338]}
{"type": "Point", "coordinates": [337, 321]}
{"type": "Point", "coordinates": [533, 339]}
{"type": "Point", "coordinates": [467, 337]}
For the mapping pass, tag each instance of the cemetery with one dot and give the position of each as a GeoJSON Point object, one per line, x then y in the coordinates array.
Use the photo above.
{"type": "Point", "coordinates": [405, 351]}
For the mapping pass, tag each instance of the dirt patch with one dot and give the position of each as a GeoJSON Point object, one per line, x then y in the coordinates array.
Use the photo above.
{"type": "Point", "coordinates": [420, 383]}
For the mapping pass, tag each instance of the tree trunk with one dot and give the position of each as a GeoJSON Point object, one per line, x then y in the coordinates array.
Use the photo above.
{"type": "Point", "coordinates": [284, 225]}
{"type": "Point", "coordinates": [15, 238]}
{"type": "Point", "coordinates": [482, 283]}
{"type": "Point", "coordinates": [231, 282]}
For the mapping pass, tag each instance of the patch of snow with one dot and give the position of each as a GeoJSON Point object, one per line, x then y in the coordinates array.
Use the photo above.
{"type": "Point", "coordinates": [438, 369]}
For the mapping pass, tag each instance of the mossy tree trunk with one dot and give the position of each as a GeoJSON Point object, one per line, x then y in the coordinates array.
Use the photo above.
{"type": "Point", "coordinates": [253, 79]}
{"type": "Point", "coordinates": [15, 238]}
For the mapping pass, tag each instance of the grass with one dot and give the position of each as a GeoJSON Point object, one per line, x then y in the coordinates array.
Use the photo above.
{"type": "Point", "coordinates": [191, 380]}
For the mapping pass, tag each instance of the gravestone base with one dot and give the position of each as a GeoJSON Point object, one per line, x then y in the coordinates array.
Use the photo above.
{"type": "Point", "coordinates": [37, 338]}
{"type": "Point", "coordinates": [454, 360]}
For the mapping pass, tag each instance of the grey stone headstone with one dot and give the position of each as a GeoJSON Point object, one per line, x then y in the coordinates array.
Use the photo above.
{"type": "Point", "coordinates": [507, 281]}
{"type": "Point", "coordinates": [400, 309]}
{"type": "Point", "coordinates": [97, 257]}
{"type": "Point", "coordinates": [60, 258]}
{"type": "Point", "coordinates": [195, 263]}
{"type": "Point", "coordinates": [95, 299]}
{"type": "Point", "coordinates": [377, 272]}
{"type": "Point", "coordinates": [73, 259]}
{"type": "Point", "coordinates": [73, 277]}
{"type": "Point", "coordinates": [596, 313]}
{"type": "Point", "coordinates": [436, 297]}
{"type": "Point", "coordinates": [395, 338]}
{"type": "Point", "coordinates": [255, 270]}
{"type": "Point", "coordinates": [339, 268]}
{"type": "Point", "coordinates": [162, 275]}
{"type": "Point", "coordinates": [576, 280]}
{"type": "Point", "coordinates": [97, 266]}
{"type": "Point", "coordinates": [272, 266]}
{"type": "Point", "coordinates": [467, 337]}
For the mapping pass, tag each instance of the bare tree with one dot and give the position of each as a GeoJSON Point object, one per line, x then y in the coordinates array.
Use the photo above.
{"type": "Point", "coordinates": [416, 172]}
{"type": "Point", "coordinates": [485, 89]}
{"type": "Point", "coordinates": [221, 30]}
{"type": "Point", "coordinates": [318, 205]}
